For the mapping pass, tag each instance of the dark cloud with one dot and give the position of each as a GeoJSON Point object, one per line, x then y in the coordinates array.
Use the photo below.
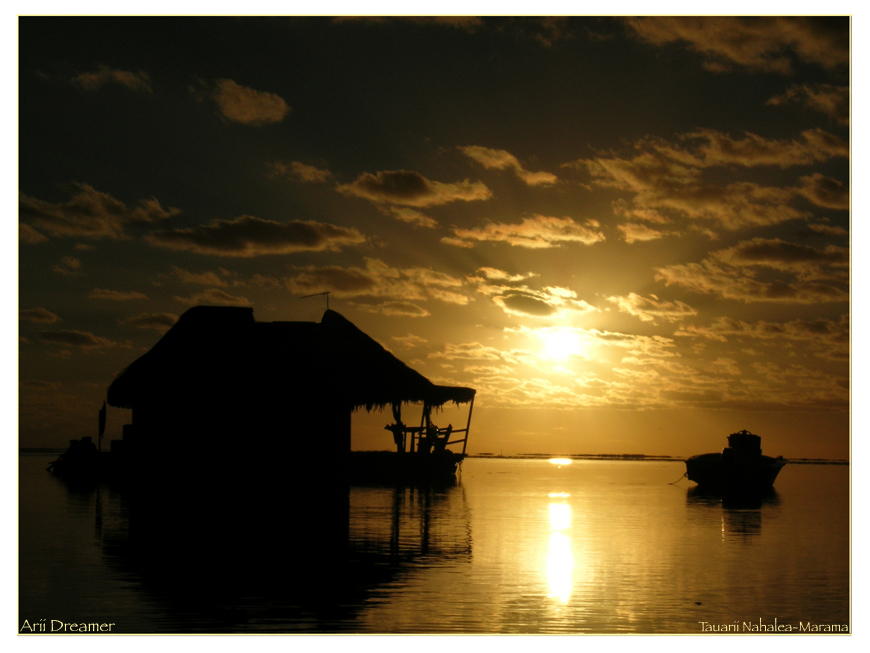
{"type": "Point", "coordinates": [821, 329]}
{"type": "Point", "coordinates": [412, 216]}
{"type": "Point", "coordinates": [29, 235]}
{"type": "Point", "coordinates": [780, 254]}
{"type": "Point", "coordinates": [396, 309]}
{"type": "Point", "coordinates": [522, 304]}
{"type": "Point", "coordinates": [503, 160]}
{"type": "Point", "coordinates": [38, 316]}
{"type": "Point", "coordinates": [157, 321]}
{"type": "Point", "coordinates": [378, 279]}
{"type": "Point", "coordinates": [826, 98]}
{"type": "Point", "coordinates": [68, 266]}
{"type": "Point", "coordinates": [82, 339]}
{"type": "Point", "coordinates": [202, 278]}
{"type": "Point", "coordinates": [742, 272]}
{"type": "Point", "coordinates": [247, 236]}
{"type": "Point", "coordinates": [763, 43]}
{"type": "Point", "coordinates": [247, 106]}
{"type": "Point", "coordinates": [667, 177]}
{"type": "Point", "coordinates": [633, 233]}
{"type": "Point", "coordinates": [652, 309]}
{"type": "Point", "coordinates": [90, 214]}
{"type": "Point", "coordinates": [116, 295]}
{"type": "Point", "coordinates": [824, 191]}
{"type": "Point", "coordinates": [213, 296]}
{"type": "Point", "coordinates": [409, 188]}
{"type": "Point", "coordinates": [536, 232]}
{"type": "Point", "coordinates": [92, 81]}
{"type": "Point", "coordinates": [298, 170]}
{"type": "Point", "coordinates": [516, 299]}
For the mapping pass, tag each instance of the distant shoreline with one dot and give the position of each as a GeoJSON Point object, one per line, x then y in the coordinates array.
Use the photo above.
{"type": "Point", "coordinates": [546, 456]}
{"type": "Point", "coordinates": [637, 457]}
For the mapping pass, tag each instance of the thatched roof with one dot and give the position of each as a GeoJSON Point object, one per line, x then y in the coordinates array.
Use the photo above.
{"type": "Point", "coordinates": [221, 352]}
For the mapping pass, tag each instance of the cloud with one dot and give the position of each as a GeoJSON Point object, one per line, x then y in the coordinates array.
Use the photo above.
{"type": "Point", "coordinates": [827, 229]}
{"type": "Point", "coordinates": [723, 328]}
{"type": "Point", "coordinates": [157, 321]}
{"type": "Point", "coordinates": [377, 279]}
{"type": "Point", "coordinates": [804, 261]}
{"type": "Point", "coordinates": [38, 316]}
{"type": "Point", "coordinates": [770, 44]}
{"type": "Point", "coordinates": [298, 170]}
{"type": "Point", "coordinates": [90, 214]}
{"type": "Point", "coordinates": [666, 177]}
{"type": "Point", "coordinates": [652, 309]}
{"type": "Point", "coordinates": [92, 81]}
{"type": "Point", "coordinates": [29, 235]}
{"type": "Point", "coordinates": [467, 23]}
{"type": "Point", "coordinates": [494, 274]}
{"type": "Point", "coordinates": [201, 278]}
{"type": "Point", "coordinates": [748, 272]}
{"type": "Point", "coordinates": [215, 297]}
{"type": "Point", "coordinates": [824, 191]}
{"type": "Point", "coordinates": [638, 233]}
{"type": "Point", "coordinates": [410, 341]}
{"type": "Point", "coordinates": [516, 299]}
{"type": "Point", "coordinates": [247, 106]}
{"type": "Point", "coordinates": [409, 188]}
{"type": "Point", "coordinates": [68, 266]}
{"type": "Point", "coordinates": [115, 295]}
{"type": "Point", "coordinates": [396, 309]}
{"type": "Point", "coordinates": [538, 231]}
{"type": "Point", "coordinates": [82, 339]}
{"type": "Point", "coordinates": [247, 236]}
{"type": "Point", "coordinates": [831, 100]}
{"type": "Point", "coordinates": [413, 217]}
{"type": "Point", "coordinates": [469, 351]}
{"type": "Point", "coordinates": [716, 149]}
{"type": "Point", "coordinates": [503, 160]}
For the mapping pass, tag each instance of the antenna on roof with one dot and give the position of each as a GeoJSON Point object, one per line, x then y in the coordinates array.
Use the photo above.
{"type": "Point", "coordinates": [318, 294]}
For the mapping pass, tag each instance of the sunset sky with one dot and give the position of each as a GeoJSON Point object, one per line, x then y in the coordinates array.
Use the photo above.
{"type": "Point", "coordinates": [630, 235]}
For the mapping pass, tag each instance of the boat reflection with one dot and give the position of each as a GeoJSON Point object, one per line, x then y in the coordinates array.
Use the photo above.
{"type": "Point", "coordinates": [741, 514]}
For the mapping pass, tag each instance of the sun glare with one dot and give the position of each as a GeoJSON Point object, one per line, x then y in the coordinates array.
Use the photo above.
{"type": "Point", "coordinates": [560, 561]}
{"type": "Point", "coordinates": [559, 344]}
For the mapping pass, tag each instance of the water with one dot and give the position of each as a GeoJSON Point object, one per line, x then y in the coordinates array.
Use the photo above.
{"type": "Point", "coordinates": [518, 546]}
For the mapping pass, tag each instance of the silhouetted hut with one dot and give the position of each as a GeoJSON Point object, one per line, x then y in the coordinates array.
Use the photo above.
{"type": "Point", "coordinates": [220, 388]}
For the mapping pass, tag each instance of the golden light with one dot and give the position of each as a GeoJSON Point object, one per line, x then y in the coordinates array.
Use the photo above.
{"type": "Point", "coordinates": [560, 461]}
{"type": "Point", "coordinates": [559, 343]}
{"type": "Point", "coordinates": [560, 561]}
{"type": "Point", "coordinates": [560, 516]}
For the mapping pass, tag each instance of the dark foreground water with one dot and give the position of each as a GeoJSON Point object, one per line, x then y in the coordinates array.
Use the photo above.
{"type": "Point", "coordinates": [517, 546]}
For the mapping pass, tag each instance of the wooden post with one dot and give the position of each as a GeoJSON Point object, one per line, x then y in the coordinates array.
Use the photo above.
{"type": "Point", "coordinates": [468, 425]}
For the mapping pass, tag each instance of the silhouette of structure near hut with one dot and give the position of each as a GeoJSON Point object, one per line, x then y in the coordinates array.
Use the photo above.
{"type": "Point", "coordinates": [223, 394]}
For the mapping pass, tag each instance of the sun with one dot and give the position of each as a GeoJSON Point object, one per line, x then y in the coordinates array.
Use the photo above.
{"type": "Point", "coordinates": [560, 343]}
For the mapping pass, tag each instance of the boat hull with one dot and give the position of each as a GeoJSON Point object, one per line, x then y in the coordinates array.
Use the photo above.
{"type": "Point", "coordinates": [714, 471]}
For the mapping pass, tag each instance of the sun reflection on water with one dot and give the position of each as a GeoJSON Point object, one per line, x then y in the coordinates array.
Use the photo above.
{"type": "Point", "coordinates": [560, 562]}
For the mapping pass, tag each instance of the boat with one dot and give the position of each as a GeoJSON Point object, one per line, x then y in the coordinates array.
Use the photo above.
{"type": "Point", "coordinates": [740, 467]}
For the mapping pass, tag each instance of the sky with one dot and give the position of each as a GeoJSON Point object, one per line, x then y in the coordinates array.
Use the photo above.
{"type": "Point", "coordinates": [629, 235]}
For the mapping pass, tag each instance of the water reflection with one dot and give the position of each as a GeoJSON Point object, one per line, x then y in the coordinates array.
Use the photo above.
{"type": "Point", "coordinates": [560, 561]}
{"type": "Point", "coordinates": [740, 514]}
{"type": "Point", "coordinates": [305, 567]}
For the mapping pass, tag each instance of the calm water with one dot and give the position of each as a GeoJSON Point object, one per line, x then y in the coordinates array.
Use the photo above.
{"type": "Point", "coordinates": [518, 546]}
